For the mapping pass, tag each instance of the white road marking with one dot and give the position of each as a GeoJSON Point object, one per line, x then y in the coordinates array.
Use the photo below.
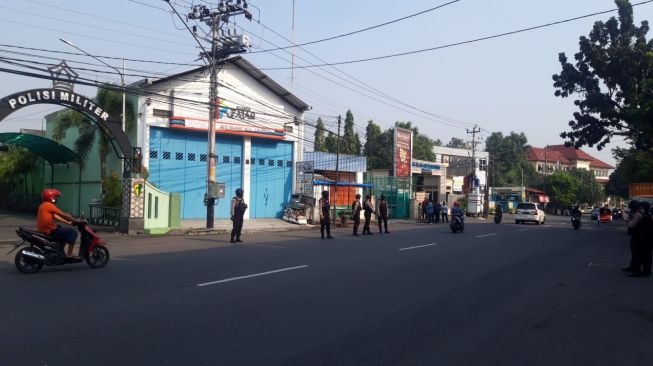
{"type": "Point", "coordinates": [419, 246]}
{"type": "Point", "coordinates": [483, 236]}
{"type": "Point", "coordinates": [523, 229]}
{"type": "Point", "coordinates": [250, 276]}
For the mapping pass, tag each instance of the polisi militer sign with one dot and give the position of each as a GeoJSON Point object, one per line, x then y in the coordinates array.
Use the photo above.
{"type": "Point", "coordinates": [63, 78]}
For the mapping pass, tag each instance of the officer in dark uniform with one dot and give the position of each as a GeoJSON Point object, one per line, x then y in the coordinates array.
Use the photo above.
{"type": "Point", "coordinates": [356, 212]}
{"type": "Point", "coordinates": [383, 214]}
{"type": "Point", "coordinates": [369, 208]}
{"type": "Point", "coordinates": [238, 207]}
{"type": "Point", "coordinates": [325, 215]}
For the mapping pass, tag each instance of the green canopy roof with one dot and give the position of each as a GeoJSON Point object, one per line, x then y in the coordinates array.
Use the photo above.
{"type": "Point", "coordinates": [52, 151]}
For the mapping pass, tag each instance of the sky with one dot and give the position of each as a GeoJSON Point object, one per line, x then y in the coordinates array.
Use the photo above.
{"type": "Point", "coordinates": [501, 84]}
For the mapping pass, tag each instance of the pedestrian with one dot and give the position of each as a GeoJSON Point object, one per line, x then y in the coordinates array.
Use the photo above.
{"type": "Point", "coordinates": [436, 212]}
{"type": "Point", "coordinates": [238, 208]}
{"type": "Point", "coordinates": [425, 209]}
{"type": "Point", "coordinates": [325, 215]}
{"type": "Point", "coordinates": [640, 241]}
{"type": "Point", "coordinates": [383, 213]}
{"type": "Point", "coordinates": [420, 212]}
{"type": "Point", "coordinates": [429, 211]}
{"type": "Point", "coordinates": [368, 206]}
{"type": "Point", "coordinates": [356, 212]}
{"type": "Point", "coordinates": [444, 210]}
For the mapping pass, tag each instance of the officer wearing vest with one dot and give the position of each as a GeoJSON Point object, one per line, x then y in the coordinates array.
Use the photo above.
{"type": "Point", "coordinates": [238, 207]}
{"type": "Point", "coordinates": [368, 206]}
{"type": "Point", "coordinates": [356, 212]}
{"type": "Point", "coordinates": [383, 213]}
{"type": "Point", "coordinates": [325, 215]}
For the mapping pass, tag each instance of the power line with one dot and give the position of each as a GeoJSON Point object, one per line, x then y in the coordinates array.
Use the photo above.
{"type": "Point", "coordinates": [459, 43]}
{"type": "Point", "coordinates": [361, 30]}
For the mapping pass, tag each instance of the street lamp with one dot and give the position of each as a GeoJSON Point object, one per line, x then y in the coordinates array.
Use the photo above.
{"type": "Point", "coordinates": [122, 75]}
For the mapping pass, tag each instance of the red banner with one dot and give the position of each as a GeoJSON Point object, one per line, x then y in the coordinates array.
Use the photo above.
{"type": "Point", "coordinates": [403, 152]}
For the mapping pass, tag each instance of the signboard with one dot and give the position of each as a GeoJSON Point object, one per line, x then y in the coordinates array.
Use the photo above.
{"type": "Point", "coordinates": [403, 150]}
{"type": "Point", "coordinates": [305, 174]}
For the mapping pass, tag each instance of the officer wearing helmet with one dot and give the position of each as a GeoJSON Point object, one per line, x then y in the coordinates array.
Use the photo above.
{"type": "Point", "coordinates": [46, 215]}
{"type": "Point", "coordinates": [457, 211]}
{"type": "Point", "coordinates": [238, 208]}
{"type": "Point", "coordinates": [383, 213]}
{"type": "Point", "coordinates": [325, 215]}
{"type": "Point", "coordinates": [640, 241]}
{"type": "Point", "coordinates": [356, 213]}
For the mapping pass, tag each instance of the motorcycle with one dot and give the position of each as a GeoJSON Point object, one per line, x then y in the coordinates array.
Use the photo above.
{"type": "Point", "coordinates": [44, 250]}
{"type": "Point", "coordinates": [457, 224]}
{"type": "Point", "coordinates": [497, 218]}
{"type": "Point", "coordinates": [575, 221]}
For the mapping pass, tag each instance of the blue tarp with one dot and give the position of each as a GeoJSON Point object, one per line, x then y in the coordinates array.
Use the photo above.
{"type": "Point", "coordinates": [341, 184]}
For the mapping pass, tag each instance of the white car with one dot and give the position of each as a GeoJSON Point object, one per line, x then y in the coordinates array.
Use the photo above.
{"type": "Point", "coordinates": [529, 212]}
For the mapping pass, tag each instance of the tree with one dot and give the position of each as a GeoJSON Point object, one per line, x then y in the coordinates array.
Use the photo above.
{"type": "Point", "coordinates": [422, 144]}
{"type": "Point", "coordinates": [350, 142]}
{"type": "Point", "coordinates": [379, 156]}
{"type": "Point", "coordinates": [562, 187]}
{"type": "Point", "coordinates": [458, 143]}
{"type": "Point", "coordinates": [508, 163]}
{"type": "Point", "coordinates": [15, 164]}
{"type": "Point", "coordinates": [633, 166]}
{"type": "Point", "coordinates": [589, 190]}
{"type": "Point", "coordinates": [331, 143]}
{"type": "Point", "coordinates": [613, 78]}
{"type": "Point", "coordinates": [319, 144]}
{"type": "Point", "coordinates": [111, 102]}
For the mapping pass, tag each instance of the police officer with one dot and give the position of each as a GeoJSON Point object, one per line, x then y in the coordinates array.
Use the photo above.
{"type": "Point", "coordinates": [383, 214]}
{"type": "Point", "coordinates": [369, 208]}
{"type": "Point", "coordinates": [641, 227]}
{"type": "Point", "coordinates": [325, 215]}
{"type": "Point", "coordinates": [356, 212]}
{"type": "Point", "coordinates": [238, 207]}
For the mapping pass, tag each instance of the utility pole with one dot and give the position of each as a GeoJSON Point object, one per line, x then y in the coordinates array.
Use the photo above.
{"type": "Point", "coordinates": [473, 132]}
{"type": "Point", "coordinates": [221, 48]}
{"type": "Point", "coordinates": [335, 191]}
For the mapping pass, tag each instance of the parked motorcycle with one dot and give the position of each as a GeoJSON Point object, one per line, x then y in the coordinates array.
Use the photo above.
{"type": "Point", "coordinates": [456, 224]}
{"type": "Point", "coordinates": [43, 250]}
{"type": "Point", "coordinates": [575, 222]}
{"type": "Point", "coordinates": [497, 218]}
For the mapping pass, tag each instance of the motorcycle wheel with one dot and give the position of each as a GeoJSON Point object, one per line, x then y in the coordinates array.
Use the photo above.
{"type": "Point", "coordinates": [98, 257]}
{"type": "Point", "coordinates": [26, 264]}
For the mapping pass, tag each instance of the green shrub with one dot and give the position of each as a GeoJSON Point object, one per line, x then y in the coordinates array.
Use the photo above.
{"type": "Point", "coordinates": [112, 190]}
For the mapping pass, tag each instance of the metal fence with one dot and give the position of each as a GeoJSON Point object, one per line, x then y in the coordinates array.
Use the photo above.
{"type": "Point", "coordinates": [397, 192]}
{"type": "Point", "coordinates": [102, 215]}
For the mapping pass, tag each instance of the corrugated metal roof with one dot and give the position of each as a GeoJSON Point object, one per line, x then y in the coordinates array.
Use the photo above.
{"type": "Point", "coordinates": [52, 151]}
{"type": "Point", "coordinates": [327, 161]}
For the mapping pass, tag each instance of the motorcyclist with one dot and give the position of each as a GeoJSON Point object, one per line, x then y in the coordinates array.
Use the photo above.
{"type": "Point", "coordinates": [457, 211]}
{"type": "Point", "coordinates": [499, 211]}
{"type": "Point", "coordinates": [46, 215]}
{"type": "Point", "coordinates": [238, 207]}
{"type": "Point", "coordinates": [575, 211]}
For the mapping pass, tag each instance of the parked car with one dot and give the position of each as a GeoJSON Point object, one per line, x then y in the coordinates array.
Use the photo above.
{"type": "Point", "coordinates": [529, 212]}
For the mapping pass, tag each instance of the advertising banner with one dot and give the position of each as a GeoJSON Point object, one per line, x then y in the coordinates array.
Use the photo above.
{"type": "Point", "coordinates": [403, 152]}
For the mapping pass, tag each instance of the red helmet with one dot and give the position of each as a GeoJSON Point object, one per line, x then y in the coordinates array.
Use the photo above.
{"type": "Point", "coordinates": [50, 195]}
{"type": "Point", "coordinates": [456, 204]}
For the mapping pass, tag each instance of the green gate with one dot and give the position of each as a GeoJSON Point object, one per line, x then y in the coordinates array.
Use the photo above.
{"type": "Point", "coordinates": [397, 192]}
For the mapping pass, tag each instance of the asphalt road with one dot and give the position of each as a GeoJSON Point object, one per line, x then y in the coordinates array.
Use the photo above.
{"type": "Point", "coordinates": [494, 295]}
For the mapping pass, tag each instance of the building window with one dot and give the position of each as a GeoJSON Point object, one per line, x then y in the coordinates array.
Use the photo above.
{"type": "Point", "coordinates": [482, 165]}
{"type": "Point", "coordinates": [179, 156]}
{"type": "Point", "coordinates": [163, 113]}
{"type": "Point", "coordinates": [280, 163]}
{"type": "Point", "coordinates": [270, 162]}
{"type": "Point", "coordinates": [261, 162]}
{"type": "Point", "coordinates": [203, 157]}
{"type": "Point", "coordinates": [191, 156]}
{"type": "Point", "coordinates": [166, 155]}
{"type": "Point", "coordinates": [225, 159]}
{"type": "Point", "coordinates": [539, 168]}
{"type": "Point", "coordinates": [236, 159]}
{"type": "Point", "coordinates": [154, 154]}
{"type": "Point", "coordinates": [289, 164]}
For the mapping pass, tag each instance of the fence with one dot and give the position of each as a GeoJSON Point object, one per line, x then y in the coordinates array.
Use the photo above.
{"type": "Point", "coordinates": [397, 192]}
{"type": "Point", "coordinates": [102, 215]}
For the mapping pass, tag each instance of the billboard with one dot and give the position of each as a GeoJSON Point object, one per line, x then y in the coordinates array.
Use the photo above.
{"type": "Point", "coordinates": [403, 152]}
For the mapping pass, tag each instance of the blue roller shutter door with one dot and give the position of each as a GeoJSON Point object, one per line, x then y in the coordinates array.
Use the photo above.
{"type": "Point", "coordinates": [178, 163]}
{"type": "Point", "coordinates": [271, 177]}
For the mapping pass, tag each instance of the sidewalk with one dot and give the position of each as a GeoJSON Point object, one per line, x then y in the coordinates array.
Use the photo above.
{"type": "Point", "coordinates": [222, 226]}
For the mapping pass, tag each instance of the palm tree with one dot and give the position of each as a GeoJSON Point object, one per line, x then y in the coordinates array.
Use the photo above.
{"type": "Point", "coordinates": [110, 101]}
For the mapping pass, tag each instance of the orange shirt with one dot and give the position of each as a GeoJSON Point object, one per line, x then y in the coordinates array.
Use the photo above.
{"type": "Point", "coordinates": [45, 217]}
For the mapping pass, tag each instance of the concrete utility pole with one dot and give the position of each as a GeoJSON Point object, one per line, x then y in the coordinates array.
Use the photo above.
{"type": "Point", "coordinates": [473, 132]}
{"type": "Point", "coordinates": [221, 48]}
{"type": "Point", "coordinates": [335, 191]}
